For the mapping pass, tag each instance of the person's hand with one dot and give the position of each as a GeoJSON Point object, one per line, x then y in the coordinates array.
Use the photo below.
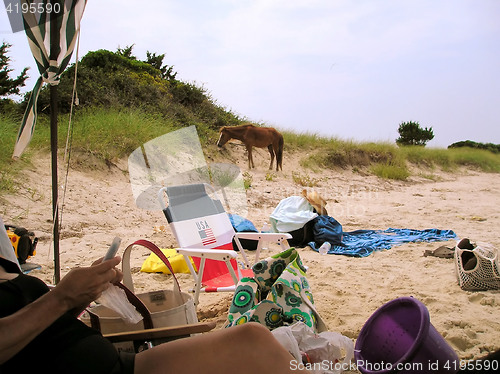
{"type": "Point", "coordinates": [83, 285]}
{"type": "Point", "coordinates": [119, 275]}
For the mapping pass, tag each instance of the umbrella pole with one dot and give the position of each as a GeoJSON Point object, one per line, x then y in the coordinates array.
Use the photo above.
{"type": "Point", "coordinates": [55, 185]}
{"type": "Point", "coordinates": [54, 51]}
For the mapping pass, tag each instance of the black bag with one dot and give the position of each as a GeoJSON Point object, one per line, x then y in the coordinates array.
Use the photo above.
{"type": "Point", "coordinates": [302, 236]}
{"type": "Point", "coordinates": [23, 241]}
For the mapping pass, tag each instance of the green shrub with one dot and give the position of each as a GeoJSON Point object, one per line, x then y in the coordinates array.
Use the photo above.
{"type": "Point", "coordinates": [410, 133]}
{"type": "Point", "coordinates": [428, 157]}
{"type": "Point", "coordinates": [247, 180]}
{"type": "Point", "coordinates": [495, 148]}
{"type": "Point", "coordinates": [304, 180]}
{"type": "Point", "coordinates": [482, 159]}
{"type": "Point", "coordinates": [339, 154]}
{"type": "Point", "coordinates": [270, 176]}
{"type": "Point", "coordinates": [449, 159]}
{"type": "Point", "coordinates": [390, 171]}
{"type": "Point", "coordinates": [9, 169]}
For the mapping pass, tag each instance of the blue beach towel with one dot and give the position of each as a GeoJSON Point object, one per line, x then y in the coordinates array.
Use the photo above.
{"type": "Point", "coordinates": [241, 224]}
{"type": "Point", "coordinates": [362, 243]}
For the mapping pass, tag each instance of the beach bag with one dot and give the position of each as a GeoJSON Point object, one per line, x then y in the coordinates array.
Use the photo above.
{"type": "Point", "coordinates": [164, 308]}
{"type": "Point", "coordinates": [278, 295]}
{"type": "Point", "coordinates": [327, 229]}
{"type": "Point", "coordinates": [23, 241]}
{"type": "Point", "coordinates": [477, 267]}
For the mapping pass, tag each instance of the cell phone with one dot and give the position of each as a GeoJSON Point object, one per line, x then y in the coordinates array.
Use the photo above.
{"type": "Point", "coordinates": [113, 248]}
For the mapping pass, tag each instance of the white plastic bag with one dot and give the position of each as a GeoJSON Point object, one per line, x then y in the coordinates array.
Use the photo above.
{"type": "Point", "coordinates": [115, 298]}
{"type": "Point", "coordinates": [324, 353]}
{"type": "Point", "coordinates": [285, 336]}
{"type": "Point", "coordinates": [291, 214]}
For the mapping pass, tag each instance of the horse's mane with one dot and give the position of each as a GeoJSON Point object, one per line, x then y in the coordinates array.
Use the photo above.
{"type": "Point", "coordinates": [239, 126]}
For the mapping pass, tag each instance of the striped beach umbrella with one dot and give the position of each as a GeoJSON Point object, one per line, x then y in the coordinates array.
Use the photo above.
{"type": "Point", "coordinates": [52, 30]}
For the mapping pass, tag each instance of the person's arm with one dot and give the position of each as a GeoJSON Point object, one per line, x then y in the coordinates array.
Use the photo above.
{"type": "Point", "coordinates": [79, 287]}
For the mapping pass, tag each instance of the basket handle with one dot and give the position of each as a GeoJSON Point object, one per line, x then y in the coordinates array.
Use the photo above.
{"type": "Point", "coordinates": [134, 300]}
{"type": "Point", "coordinates": [127, 276]}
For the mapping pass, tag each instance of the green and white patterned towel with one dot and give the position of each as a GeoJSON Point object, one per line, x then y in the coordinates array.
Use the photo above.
{"type": "Point", "coordinates": [278, 295]}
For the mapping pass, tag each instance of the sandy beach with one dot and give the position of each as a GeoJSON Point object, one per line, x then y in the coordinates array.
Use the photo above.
{"type": "Point", "coordinates": [99, 205]}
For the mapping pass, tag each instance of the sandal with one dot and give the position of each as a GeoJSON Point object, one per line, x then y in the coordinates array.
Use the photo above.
{"type": "Point", "coordinates": [441, 252]}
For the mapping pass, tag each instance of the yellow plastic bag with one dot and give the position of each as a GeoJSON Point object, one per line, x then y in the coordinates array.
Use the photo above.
{"type": "Point", "coordinates": [153, 264]}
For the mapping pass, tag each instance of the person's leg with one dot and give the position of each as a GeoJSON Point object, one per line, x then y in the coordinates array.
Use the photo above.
{"type": "Point", "coordinates": [249, 348]}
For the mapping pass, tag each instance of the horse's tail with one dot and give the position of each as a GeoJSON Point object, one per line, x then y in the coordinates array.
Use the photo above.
{"type": "Point", "coordinates": [279, 153]}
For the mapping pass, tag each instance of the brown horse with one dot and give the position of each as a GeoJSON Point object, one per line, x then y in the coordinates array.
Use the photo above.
{"type": "Point", "coordinates": [253, 136]}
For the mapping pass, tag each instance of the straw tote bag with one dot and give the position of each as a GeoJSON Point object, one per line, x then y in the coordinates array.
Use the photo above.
{"type": "Point", "coordinates": [164, 308]}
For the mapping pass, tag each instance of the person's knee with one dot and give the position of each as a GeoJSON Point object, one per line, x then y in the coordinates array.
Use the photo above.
{"type": "Point", "coordinates": [264, 346]}
{"type": "Point", "coordinates": [255, 328]}
{"type": "Point", "coordinates": [254, 332]}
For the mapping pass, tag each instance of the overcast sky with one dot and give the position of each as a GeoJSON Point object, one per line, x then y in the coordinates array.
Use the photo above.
{"type": "Point", "coordinates": [352, 69]}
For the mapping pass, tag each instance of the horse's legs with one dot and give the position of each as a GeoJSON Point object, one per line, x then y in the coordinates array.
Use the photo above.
{"type": "Point", "coordinates": [250, 157]}
{"type": "Point", "coordinates": [271, 152]}
{"type": "Point", "coordinates": [279, 157]}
